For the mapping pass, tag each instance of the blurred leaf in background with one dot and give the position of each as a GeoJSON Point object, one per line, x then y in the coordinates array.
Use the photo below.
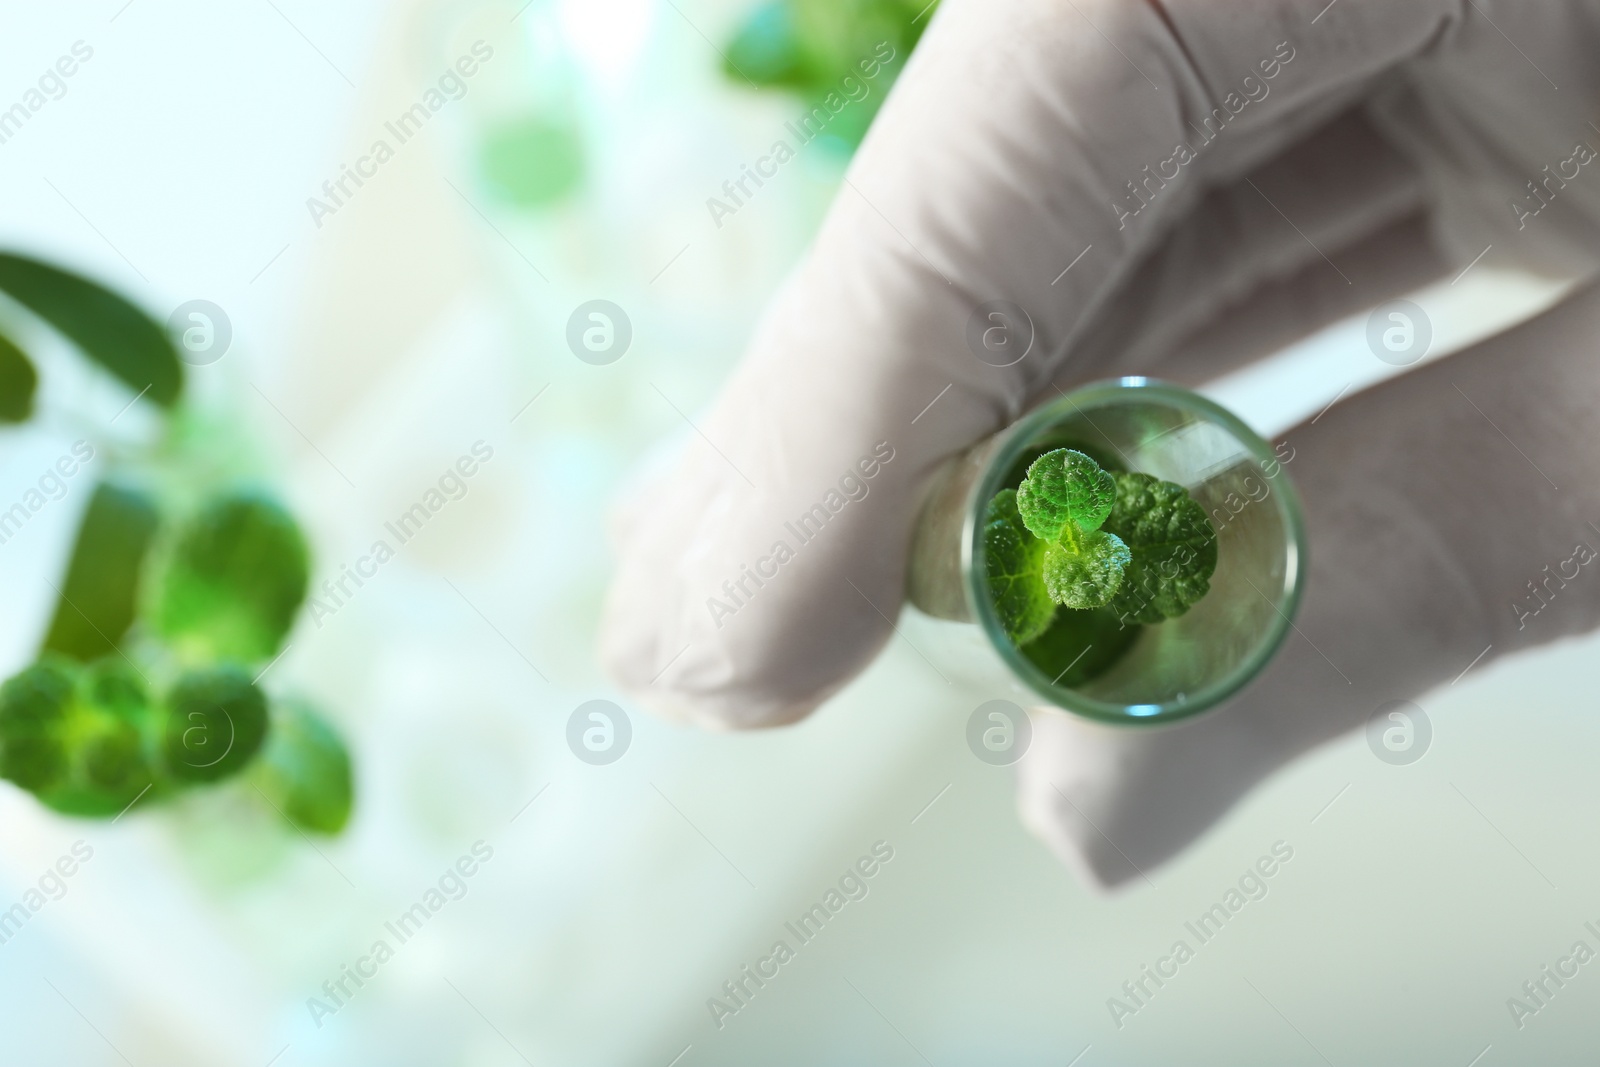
{"type": "Point", "coordinates": [119, 757]}
{"type": "Point", "coordinates": [79, 728]}
{"type": "Point", "coordinates": [111, 752]}
{"type": "Point", "coordinates": [18, 380]}
{"type": "Point", "coordinates": [109, 330]}
{"type": "Point", "coordinates": [533, 161]}
{"type": "Point", "coordinates": [304, 770]}
{"type": "Point", "coordinates": [809, 47]}
{"type": "Point", "coordinates": [231, 585]}
{"type": "Point", "coordinates": [100, 593]}
{"type": "Point", "coordinates": [531, 152]}
{"type": "Point", "coordinates": [216, 721]}
{"type": "Point", "coordinates": [81, 738]}
{"type": "Point", "coordinates": [33, 711]}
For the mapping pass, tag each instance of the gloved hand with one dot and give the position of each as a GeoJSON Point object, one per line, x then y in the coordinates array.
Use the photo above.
{"type": "Point", "coordinates": [1168, 189]}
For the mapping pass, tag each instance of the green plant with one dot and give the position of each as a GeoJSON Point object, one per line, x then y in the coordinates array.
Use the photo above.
{"type": "Point", "coordinates": [172, 604]}
{"type": "Point", "coordinates": [1077, 557]}
{"type": "Point", "coordinates": [1172, 548]}
{"type": "Point", "coordinates": [809, 47]}
{"type": "Point", "coordinates": [233, 582]}
{"type": "Point", "coordinates": [1064, 501]}
{"type": "Point", "coordinates": [1014, 563]}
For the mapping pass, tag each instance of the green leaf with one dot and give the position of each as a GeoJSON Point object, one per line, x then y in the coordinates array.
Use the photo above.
{"type": "Point", "coordinates": [233, 581]}
{"type": "Point", "coordinates": [304, 770]}
{"type": "Point", "coordinates": [34, 707]}
{"type": "Point", "coordinates": [1063, 500]}
{"type": "Point", "coordinates": [768, 49]}
{"type": "Point", "coordinates": [1013, 561]}
{"type": "Point", "coordinates": [1105, 458]}
{"type": "Point", "coordinates": [116, 758]}
{"type": "Point", "coordinates": [111, 743]}
{"type": "Point", "coordinates": [1080, 646]}
{"type": "Point", "coordinates": [216, 720]}
{"type": "Point", "coordinates": [18, 380]}
{"type": "Point", "coordinates": [533, 161]}
{"type": "Point", "coordinates": [79, 738]}
{"type": "Point", "coordinates": [1084, 570]}
{"type": "Point", "coordinates": [849, 50]}
{"type": "Point", "coordinates": [1131, 541]}
{"type": "Point", "coordinates": [100, 590]}
{"type": "Point", "coordinates": [1065, 486]}
{"type": "Point", "coordinates": [109, 330]}
{"type": "Point", "coordinates": [1173, 546]}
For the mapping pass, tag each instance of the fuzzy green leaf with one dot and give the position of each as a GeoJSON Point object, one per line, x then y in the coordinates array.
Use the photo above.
{"type": "Point", "coordinates": [1173, 546]}
{"type": "Point", "coordinates": [1065, 486]}
{"type": "Point", "coordinates": [811, 46]}
{"type": "Point", "coordinates": [109, 330]}
{"type": "Point", "coordinates": [304, 770]}
{"type": "Point", "coordinates": [1084, 570]}
{"type": "Point", "coordinates": [1063, 501]}
{"type": "Point", "coordinates": [79, 738]}
{"type": "Point", "coordinates": [233, 582]}
{"type": "Point", "coordinates": [1014, 561]}
{"type": "Point", "coordinates": [533, 161]}
{"type": "Point", "coordinates": [216, 721]}
{"type": "Point", "coordinates": [100, 590]}
{"type": "Point", "coordinates": [112, 743]}
{"type": "Point", "coordinates": [115, 757]}
{"type": "Point", "coordinates": [34, 707]}
{"type": "Point", "coordinates": [839, 56]}
{"type": "Point", "coordinates": [18, 380]}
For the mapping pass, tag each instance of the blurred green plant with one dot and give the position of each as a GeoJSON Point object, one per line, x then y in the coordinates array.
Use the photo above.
{"type": "Point", "coordinates": [533, 161]}
{"type": "Point", "coordinates": [146, 683]}
{"type": "Point", "coordinates": [304, 770]}
{"type": "Point", "coordinates": [809, 47]}
{"type": "Point", "coordinates": [233, 581]}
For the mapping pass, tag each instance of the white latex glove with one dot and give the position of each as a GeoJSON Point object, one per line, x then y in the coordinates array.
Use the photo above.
{"type": "Point", "coordinates": [1388, 147]}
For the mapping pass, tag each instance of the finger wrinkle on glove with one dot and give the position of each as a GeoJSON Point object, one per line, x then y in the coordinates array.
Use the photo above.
{"type": "Point", "coordinates": [1236, 243]}
{"type": "Point", "coordinates": [1280, 311]}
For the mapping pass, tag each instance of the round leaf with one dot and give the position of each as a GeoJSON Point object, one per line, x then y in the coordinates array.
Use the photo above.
{"type": "Point", "coordinates": [1065, 486]}
{"type": "Point", "coordinates": [1173, 548]}
{"type": "Point", "coordinates": [233, 581]}
{"type": "Point", "coordinates": [109, 330]}
{"type": "Point", "coordinates": [216, 721]}
{"type": "Point", "coordinates": [1086, 571]}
